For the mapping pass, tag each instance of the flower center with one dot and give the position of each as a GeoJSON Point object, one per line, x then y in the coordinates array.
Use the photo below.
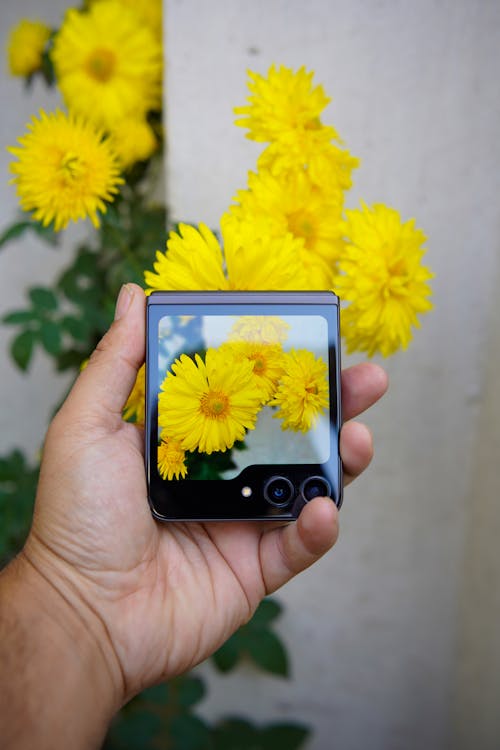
{"type": "Point", "coordinates": [101, 64]}
{"type": "Point", "coordinates": [259, 364]}
{"type": "Point", "coordinates": [312, 389]}
{"type": "Point", "coordinates": [214, 404]}
{"type": "Point", "coordinates": [300, 225]}
{"type": "Point", "coordinates": [71, 167]}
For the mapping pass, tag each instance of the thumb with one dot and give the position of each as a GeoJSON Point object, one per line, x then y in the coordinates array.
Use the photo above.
{"type": "Point", "coordinates": [103, 387]}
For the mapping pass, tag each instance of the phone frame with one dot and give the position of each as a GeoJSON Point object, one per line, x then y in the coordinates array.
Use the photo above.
{"type": "Point", "coordinates": [230, 504]}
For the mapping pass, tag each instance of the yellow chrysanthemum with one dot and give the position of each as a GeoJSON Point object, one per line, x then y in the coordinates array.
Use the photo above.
{"type": "Point", "coordinates": [284, 101]}
{"type": "Point", "coordinates": [134, 409]}
{"type": "Point", "coordinates": [25, 47]}
{"type": "Point", "coordinates": [266, 361]}
{"type": "Point", "coordinates": [133, 140]}
{"type": "Point", "coordinates": [208, 405]}
{"type": "Point", "coordinates": [108, 66]}
{"type": "Point", "coordinates": [302, 393]}
{"type": "Point", "coordinates": [171, 459]}
{"type": "Point", "coordinates": [264, 329]}
{"type": "Point", "coordinates": [247, 259]}
{"type": "Point", "coordinates": [65, 170]}
{"type": "Point", "coordinates": [294, 205]}
{"type": "Point", "coordinates": [383, 281]}
{"type": "Point", "coordinates": [148, 12]}
{"type": "Point", "coordinates": [328, 166]}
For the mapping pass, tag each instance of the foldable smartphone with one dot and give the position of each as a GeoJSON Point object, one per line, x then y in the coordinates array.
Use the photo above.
{"type": "Point", "coordinates": [243, 407]}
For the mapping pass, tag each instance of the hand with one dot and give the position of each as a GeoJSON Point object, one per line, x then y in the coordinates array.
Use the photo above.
{"type": "Point", "coordinates": [159, 598]}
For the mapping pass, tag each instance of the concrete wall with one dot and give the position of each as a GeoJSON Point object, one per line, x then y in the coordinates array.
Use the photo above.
{"type": "Point", "coordinates": [393, 636]}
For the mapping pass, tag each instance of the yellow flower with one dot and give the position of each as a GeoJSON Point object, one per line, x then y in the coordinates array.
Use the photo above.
{"type": "Point", "coordinates": [25, 47]}
{"type": "Point", "coordinates": [149, 12]}
{"type": "Point", "coordinates": [65, 170]}
{"type": "Point", "coordinates": [134, 409]}
{"type": "Point", "coordinates": [266, 361]}
{"type": "Point", "coordinates": [193, 261]}
{"type": "Point", "coordinates": [302, 393]}
{"type": "Point", "coordinates": [266, 329]}
{"type": "Point", "coordinates": [171, 459]}
{"type": "Point", "coordinates": [247, 259]}
{"type": "Point", "coordinates": [328, 166]}
{"type": "Point", "coordinates": [108, 66]}
{"type": "Point", "coordinates": [383, 280]}
{"type": "Point", "coordinates": [294, 205]}
{"type": "Point", "coordinates": [208, 406]}
{"type": "Point", "coordinates": [285, 100]}
{"type": "Point", "coordinates": [133, 140]}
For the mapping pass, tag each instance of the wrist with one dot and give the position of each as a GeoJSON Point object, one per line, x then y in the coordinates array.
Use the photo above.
{"type": "Point", "coordinates": [60, 677]}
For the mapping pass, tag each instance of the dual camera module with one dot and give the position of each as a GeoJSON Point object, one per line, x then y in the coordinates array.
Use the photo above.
{"type": "Point", "coordinates": [279, 490]}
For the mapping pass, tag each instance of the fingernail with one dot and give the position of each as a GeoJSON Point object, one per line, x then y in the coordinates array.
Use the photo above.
{"type": "Point", "coordinates": [123, 301]}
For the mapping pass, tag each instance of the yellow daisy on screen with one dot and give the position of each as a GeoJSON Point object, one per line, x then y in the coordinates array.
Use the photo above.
{"type": "Point", "coordinates": [171, 459]}
{"type": "Point", "coordinates": [302, 393]}
{"type": "Point", "coordinates": [266, 361]}
{"type": "Point", "coordinates": [265, 329]}
{"type": "Point", "coordinates": [134, 409]}
{"type": "Point", "coordinates": [284, 100]}
{"type": "Point", "coordinates": [25, 47]}
{"type": "Point", "coordinates": [383, 280]}
{"type": "Point", "coordinates": [208, 405]}
{"type": "Point", "coordinates": [107, 65]}
{"type": "Point", "coordinates": [65, 170]}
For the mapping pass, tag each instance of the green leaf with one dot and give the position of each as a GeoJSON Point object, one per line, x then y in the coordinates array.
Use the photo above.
{"type": "Point", "coordinates": [14, 231]}
{"type": "Point", "coordinates": [228, 655]}
{"type": "Point", "coordinates": [43, 299]}
{"type": "Point", "coordinates": [20, 316]}
{"type": "Point", "coordinates": [134, 730]}
{"type": "Point", "coordinates": [234, 733]}
{"type": "Point", "coordinates": [21, 349]}
{"type": "Point", "coordinates": [267, 651]}
{"type": "Point", "coordinates": [17, 493]}
{"type": "Point", "coordinates": [156, 694]}
{"type": "Point", "coordinates": [188, 732]}
{"type": "Point", "coordinates": [283, 736]}
{"type": "Point", "coordinates": [190, 691]}
{"type": "Point", "coordinates": [20, 227]}
{"type": "Point", "coordinates": [267, 611]}
{"type": "Point", "coordinates": [12, 466]}
{"type": "Point", "coordinates": [70, 360]}
{"type": "Point", "coordinates": [47, 69]}
{"type": "Point", "coordinates": [257, 642]}
{"type": "Point", "coordinates": [50, 335]}
{"type": "Point", "coordinates": [78, 328]}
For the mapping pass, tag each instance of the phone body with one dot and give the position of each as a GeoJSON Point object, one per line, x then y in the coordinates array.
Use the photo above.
{"type": "Point", "coordinates": [243, 404]}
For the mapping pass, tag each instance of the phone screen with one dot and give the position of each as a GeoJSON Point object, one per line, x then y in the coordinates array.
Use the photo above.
{"type": "Point", "coordinates": [243, 405]}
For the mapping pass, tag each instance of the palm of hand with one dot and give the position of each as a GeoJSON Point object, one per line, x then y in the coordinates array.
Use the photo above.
{"type": "Point", "coordinates": [168, 595]}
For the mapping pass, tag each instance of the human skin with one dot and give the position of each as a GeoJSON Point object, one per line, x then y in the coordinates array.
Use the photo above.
{"type": "Point", "coordinates": [103, 601]}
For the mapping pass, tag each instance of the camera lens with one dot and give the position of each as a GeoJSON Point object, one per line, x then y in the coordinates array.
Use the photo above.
{"type": "Point", "coordinates": [278, 491]}
{"type": "Point", "coordinates": [314, 487]}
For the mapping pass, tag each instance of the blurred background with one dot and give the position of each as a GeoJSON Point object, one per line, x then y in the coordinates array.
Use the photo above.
{"type": "Point", "coordinates": [393, 636]}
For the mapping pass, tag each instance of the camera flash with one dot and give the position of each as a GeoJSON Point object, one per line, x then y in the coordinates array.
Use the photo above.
{"type": "Point", "coordinates": [246, 491]}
